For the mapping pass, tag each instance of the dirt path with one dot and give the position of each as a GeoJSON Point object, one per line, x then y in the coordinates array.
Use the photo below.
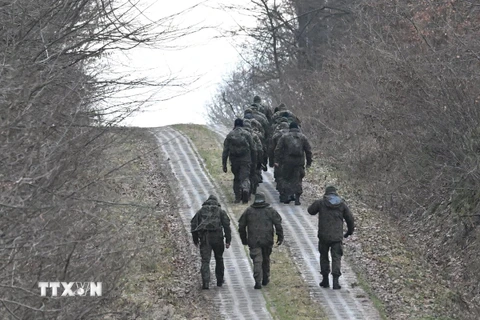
{"type": "Point", "coordinates": [351, 302]}
{"type": "Point", "coordinates": [236, 299]}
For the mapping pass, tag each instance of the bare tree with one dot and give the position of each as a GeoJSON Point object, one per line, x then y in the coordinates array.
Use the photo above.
{"type": "Point", "coordinates": [55, 120]}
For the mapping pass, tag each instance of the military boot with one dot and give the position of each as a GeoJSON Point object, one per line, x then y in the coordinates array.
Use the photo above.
{"type": "Point", "coordinates": [336, 285]}
{"type": "Point", "coordinates": [265, 281]}
{"type": "Point", "coordinates": [288, 199]}
{"type": "Point", "coordinates": [205, 285]}
{"type": "Point", "coordinates": [220, 282]}
{"type": "Point", "coordinates": [325, 283]}
{"type": "Point", "coordinates": [258, 285]}
{"type": "Point", "coordinates": [297, 200]}
{"type": "Point", "coordinates": [245, 196]}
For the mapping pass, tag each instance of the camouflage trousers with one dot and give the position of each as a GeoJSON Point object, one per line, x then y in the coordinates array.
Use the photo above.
{"type": "Point", "coordinates": [255, 180]}
{"type": "Point", "coordinates": [241, 178]}
{"type": "Point", "coordinates": [206, 248]}
{"type": "Point", "coordinates": [291, 176]}
{"type": "Point", "coordinates": [261, 262]}
{"type": "Point", "coordinates": [336, 250]}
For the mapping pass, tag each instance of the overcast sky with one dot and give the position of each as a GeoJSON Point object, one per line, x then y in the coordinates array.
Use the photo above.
{"type": "Point", "coordinates": [205, 57]}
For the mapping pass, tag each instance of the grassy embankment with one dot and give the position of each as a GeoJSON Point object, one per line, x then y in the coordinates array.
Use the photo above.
{"type": "Point", "coordinates": [395, 276]}
{"type": "Point", "coordinates": [287, 294]}
{"type": "Point", "coordinates": [158, 283]}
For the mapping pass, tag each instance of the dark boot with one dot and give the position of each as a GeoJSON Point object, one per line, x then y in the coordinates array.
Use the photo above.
{"type": "Point", "coordinates": [325, 282]}
{"type": "Point", "coordinates": [265, 281]}
{"type": "Point", "coordinates": [238, 198]}
{"type": "Point", "coordinates": [336, 285]}
{"type": "Point", "coordinates": [297, 200]}
{"type": "Point", "coordinates": [257, 285]}
{"type": "Point", "coordinates": [205, 285]}
{"type": "Point", "coordinates": [219, 282]}
{"type": "Point", "coordinates": [245, 196]}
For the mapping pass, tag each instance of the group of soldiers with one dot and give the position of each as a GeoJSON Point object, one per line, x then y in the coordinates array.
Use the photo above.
{"type": "Point", "coordinates": [257, 226]}
{"type": "Point", "coordinates": [264, 138]}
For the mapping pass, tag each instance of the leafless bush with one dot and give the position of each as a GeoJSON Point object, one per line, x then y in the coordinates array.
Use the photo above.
{"type": "Point", "coordinates": [388, 93]}
{"type": "Point", "coordinates": [55, 224]}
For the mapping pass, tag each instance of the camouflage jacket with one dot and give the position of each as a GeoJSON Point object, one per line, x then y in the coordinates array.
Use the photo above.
{"type": "Point", "coordinates": [266, 110]}
{"type": "Point", "coordinates": [257, 142]}
{"type": "Point", "coordinates": [250, 156]}
{"type": "Point", "coordinates": [212, 236]}
{"type": "Point", "coordinates": [332, 212]}
{"type": "Point", "coordinates": [257, 223]}
{"type": "Point", "coordinates": [276, 136]}
{"type": "Point", "coordinates": [293, 148]}
{"type": "Point", "coordinates": [289, 115]}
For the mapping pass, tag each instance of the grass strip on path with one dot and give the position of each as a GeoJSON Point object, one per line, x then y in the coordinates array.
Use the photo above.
{"type": "Point", "coordinates": [287, 294]}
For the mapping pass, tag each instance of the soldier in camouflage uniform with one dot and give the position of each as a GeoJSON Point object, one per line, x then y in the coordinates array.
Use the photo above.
{"type": "Point", "coordinates": [256, 227]}
{"type": "Point", "coordinates": [208, 227]}
{"type": "Point", "coordinates": [283, 112]}
{"type": "Point", "coordinates": [257, 103]}
{"type": "Point", "coordinates": [260, 117]}
{"type": "Point", "coordinates": [281, 129]}
{"type": "Point", "coordinates": [240, 148]}
{"type": "Point", "coordinates": [290, 154]}
{"type": "Point", "coordinates": [332, 212]}
{"type": "Point", "coordinates": [255, 170]}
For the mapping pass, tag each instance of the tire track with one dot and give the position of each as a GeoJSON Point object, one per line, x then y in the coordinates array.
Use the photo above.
{"type": "Point", "coordinates": [236, 299]}
{"type": "Point", "coordinates": [301, 238]}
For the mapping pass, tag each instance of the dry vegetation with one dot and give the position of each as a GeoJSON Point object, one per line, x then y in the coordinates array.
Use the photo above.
{"type": "Point", "coordinates": [388, 94]}
{"type": "Point", "coordinates": [62, 198]}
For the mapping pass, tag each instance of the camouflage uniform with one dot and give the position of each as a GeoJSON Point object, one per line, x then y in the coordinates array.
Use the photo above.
{"type": "Point", "coordinates": [292, 164]}
{"type": "Point", "coordinates": [255, 170]}
{"type": "Point", "coordinates": [240, 165]}
{"type": "Point", "coordinates": [257, 103]}
{"type": "Point", "coordinates": [211, 240]}
{"type": "Point", "coordinates": [281, 129]}
{"type": "Point", "coordinates": [283, 112]}
{"type": "Point", "coordinates": [332, 212]}
{"type": "Point", "coordinates": [260, 117]}
{"type": "Point", "coordinates": [256, 228]}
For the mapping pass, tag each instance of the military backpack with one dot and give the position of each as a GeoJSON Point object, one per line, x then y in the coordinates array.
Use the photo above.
{"type": "Point", "coordinates": [239, 145]}
{"type": "Point", "coordinates": [294, 145]}
{"type": "Point", "coordinates": [209, 219]}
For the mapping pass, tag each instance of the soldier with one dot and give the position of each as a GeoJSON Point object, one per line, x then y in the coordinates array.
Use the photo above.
{"type": "Point", "coordinates": [240, 148]}
{"type": "Point", "coordinates": [280, 130]}
{"type": "Point", "coordinates": [290, 153]}
{"type": "Point", "coordinates": [256, 169]}
{"type": "Point", "coordinates": [260, 117]}
{"type": "Point", "coordinates": [332, 211]}
{"type": "Point", "coordinates": [256, 228]}
{"type": "Point", "coordinates": [257, 103]}
{"type": "Point", "coordinates": [283, 112]}
{"type": "Point", "coordinates": [207, 227]}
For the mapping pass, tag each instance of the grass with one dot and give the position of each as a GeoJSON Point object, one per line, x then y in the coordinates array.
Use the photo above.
{"type": "Point", "coordinates": [287, 295]}
{"type": "Point", "coordinates": [150, 288]}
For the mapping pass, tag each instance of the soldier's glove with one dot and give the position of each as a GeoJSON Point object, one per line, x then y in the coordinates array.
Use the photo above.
{"type": "Point", "coordinates": [346, 235]}
{"type": "Point", "coordinates": [225, 169]}
{"type": "Point", "coordinates": [279, 242]}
